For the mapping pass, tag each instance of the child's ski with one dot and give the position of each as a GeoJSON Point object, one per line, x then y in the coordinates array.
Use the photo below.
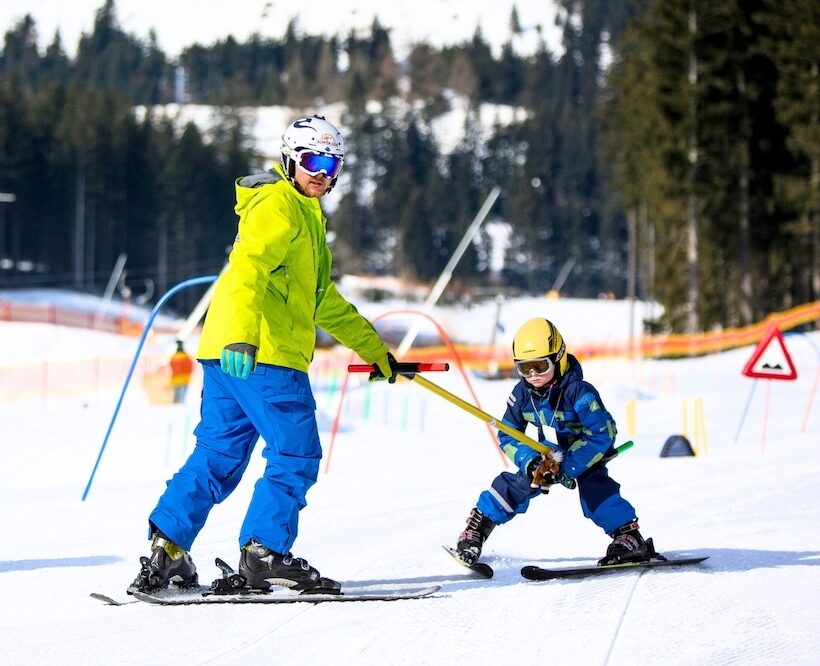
{"type": "Point", "coordinates": [480, 568]}
{"type": "Point", "coordinates": [532, 572]}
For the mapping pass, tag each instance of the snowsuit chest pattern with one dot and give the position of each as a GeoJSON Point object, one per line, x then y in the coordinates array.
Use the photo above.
{"type": "Point", "coordinates": [585, 431]}
{"type": "Point", "coordinates": [274, 292]}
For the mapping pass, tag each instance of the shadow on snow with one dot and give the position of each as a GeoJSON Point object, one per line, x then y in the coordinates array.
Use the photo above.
{"type": "Point", "coordinates": [507, 568]}
{"type": "Point", "coordinates": [58, 562]}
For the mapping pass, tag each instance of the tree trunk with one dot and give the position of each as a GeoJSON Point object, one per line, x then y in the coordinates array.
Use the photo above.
{"type": "Point", "coordinates": [79, 232]}
{"type": "Point", "coordinates": [814, 210]}
{"type": "Point", "coordinates": [693, 321]}
{"type": "Point", "coordinates": [632, 265]}
{"type": "Point", "coordinates": [746, 295]}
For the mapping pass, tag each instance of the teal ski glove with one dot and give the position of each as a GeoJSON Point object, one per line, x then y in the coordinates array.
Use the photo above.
{"type": "Point", "coordinates": [238, 359]}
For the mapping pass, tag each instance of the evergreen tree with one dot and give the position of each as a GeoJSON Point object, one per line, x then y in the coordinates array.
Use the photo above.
{"type": "Point", "coordinates": [462, 192]}
{"type": "Point", "coordinates": [463, 78]}
{"type": "Point", "coordinates": [709, 116]}
{"type": "Point", "coordinates": [384, 71]}
{"type": "Point", "coordinates": [648, 137]}
{"type": "Point", "coordinates": [509, 77]}
{"type": "Point", "coordinates": [747, 258]}
{"type": "Point", "coordinates": [20, 57]}
{"type": "Point", "coordinates": [353, 224]}
{"type": "Point", "coordinates": [401, 202]}
{"type": "Point", "coordinates": [109, 59]}
{"type": "Point", "coordinates": [428, 71]}
{"type": "Point", "coordinates": [793, 44]}
{"type": "Point", "coordinates": [481, 57]}
{"type": "Point", "coordinates": [327, 73]}
{"type": "Point", "coordinates": [55, 65]}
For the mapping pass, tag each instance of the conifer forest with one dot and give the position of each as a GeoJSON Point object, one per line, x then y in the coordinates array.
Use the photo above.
{"type": "Point", "coordinates": [671, 152]}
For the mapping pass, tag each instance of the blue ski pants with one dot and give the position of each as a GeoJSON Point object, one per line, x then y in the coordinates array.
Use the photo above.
{"type": "Point", "coordinates": [600, 496]}
{"type": "Point", "coordinates": [275, 403]}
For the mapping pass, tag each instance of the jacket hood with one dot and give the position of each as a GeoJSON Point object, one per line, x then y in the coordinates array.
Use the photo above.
{"type": "Point", "coordinates": [250, 190]}
{"type": "Point", "coordinates": [574, 373]}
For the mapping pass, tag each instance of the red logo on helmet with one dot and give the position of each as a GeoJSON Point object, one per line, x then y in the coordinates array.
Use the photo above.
{"type": "Point", "coordinates": [327, 139]}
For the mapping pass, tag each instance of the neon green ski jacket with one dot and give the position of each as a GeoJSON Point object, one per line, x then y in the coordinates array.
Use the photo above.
{"type": "Point", "coordinates": [276, 288]}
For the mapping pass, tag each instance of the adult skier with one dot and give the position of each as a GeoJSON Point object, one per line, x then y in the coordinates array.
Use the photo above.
{"type": "Point", "coordinates": [256, 345]}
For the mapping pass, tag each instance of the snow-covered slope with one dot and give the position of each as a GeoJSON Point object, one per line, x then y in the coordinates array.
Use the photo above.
{"type": "Point", "coordinates": [402, 475]}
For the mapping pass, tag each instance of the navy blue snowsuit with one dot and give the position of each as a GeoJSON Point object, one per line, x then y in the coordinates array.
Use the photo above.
{"type": "Point", "coordinates": [586, 433]}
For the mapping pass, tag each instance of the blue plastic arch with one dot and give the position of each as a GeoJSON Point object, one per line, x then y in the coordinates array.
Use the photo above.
{"type": "Point", "coordinates": [207, 279]}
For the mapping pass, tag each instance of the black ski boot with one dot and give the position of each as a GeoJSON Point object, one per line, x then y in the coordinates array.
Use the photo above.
{"type": "Point", "coordinates": [262, 568]}
{"type": "Point", "coordinates": [168, 565]}
{"type": "Point", "coordinates": [628, 546]}
{"type": "Point", "coordinates": [471, 540]}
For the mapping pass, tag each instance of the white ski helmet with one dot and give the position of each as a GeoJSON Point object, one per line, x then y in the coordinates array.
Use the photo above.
{"type": "Point", "coordinates": [315, 145]}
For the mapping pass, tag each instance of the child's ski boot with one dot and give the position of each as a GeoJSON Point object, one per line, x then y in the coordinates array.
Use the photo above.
{"type": "Point", "coordinates": [628, 546]}
{"type": "Point", "coordinates": [471, 540]}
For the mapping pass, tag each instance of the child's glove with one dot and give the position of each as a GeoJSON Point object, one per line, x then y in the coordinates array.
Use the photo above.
{"type": "Point", "coordinates": [543, 472]}
{"type": "Point", "coordinates": [238, 359]}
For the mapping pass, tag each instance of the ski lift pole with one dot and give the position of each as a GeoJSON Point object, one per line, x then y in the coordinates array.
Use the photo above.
{"type": "Point", "coordinates": [162, 301]}
{"type": "Point", "coordinates": [447, 273]}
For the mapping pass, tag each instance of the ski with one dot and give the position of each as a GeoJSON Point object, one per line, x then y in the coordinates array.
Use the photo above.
{"type": "Point", "coordinates": [532, 572]}
{"type": "Point", "coordinates": [110, 601]}
{"type": "Point", "coordinates": [479, 568]}
{"type": "Point", "coordinates": [231, 589]}
{"type": "Point", "coordinates": [282, 597]}
{"type": "Point", "coordinates": [202, 594]}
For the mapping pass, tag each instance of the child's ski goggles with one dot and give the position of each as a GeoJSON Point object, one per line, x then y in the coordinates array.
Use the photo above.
{"type": "Point", "coordinates": [315, 163]}
{"type": "Point", "coordinates": [540, 366]}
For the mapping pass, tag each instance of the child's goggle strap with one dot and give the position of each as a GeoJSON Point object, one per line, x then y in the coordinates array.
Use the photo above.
{"type": "Point", "coordinates": [315, 163]}
{"type": "Point", "coordinates": [540, 366]}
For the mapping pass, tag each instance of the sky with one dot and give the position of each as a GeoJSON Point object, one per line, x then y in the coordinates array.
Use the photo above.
{"type": "Point", "coordinates": [396, 484]}
{"type": "Point", "coordinates": [184, 22]}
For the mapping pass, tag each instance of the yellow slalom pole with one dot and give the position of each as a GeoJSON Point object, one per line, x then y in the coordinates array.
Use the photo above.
{"type": "Point", "coordinates": [475, 411]}
{"type": "Point", "coordinates": [700, 422]}
{"type": "Point", "coordinates": [494, 422]}
{"type": "Point", "coordinates": [631, 409]}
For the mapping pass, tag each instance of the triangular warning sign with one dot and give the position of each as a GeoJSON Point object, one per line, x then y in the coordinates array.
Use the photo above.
{"type": "Point", "coordinates": [771, 359]}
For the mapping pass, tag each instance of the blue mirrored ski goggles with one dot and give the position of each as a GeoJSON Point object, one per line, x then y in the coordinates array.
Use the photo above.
{"type": "Point", "coordinates": [315, 163]}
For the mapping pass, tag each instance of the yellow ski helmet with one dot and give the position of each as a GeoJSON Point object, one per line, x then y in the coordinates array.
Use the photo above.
{"type": "Point", "coordinates": [538, 339]}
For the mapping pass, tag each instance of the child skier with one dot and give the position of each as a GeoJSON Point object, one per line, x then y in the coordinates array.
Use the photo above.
{"type": "Point", "coordinates": [552, 393]}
